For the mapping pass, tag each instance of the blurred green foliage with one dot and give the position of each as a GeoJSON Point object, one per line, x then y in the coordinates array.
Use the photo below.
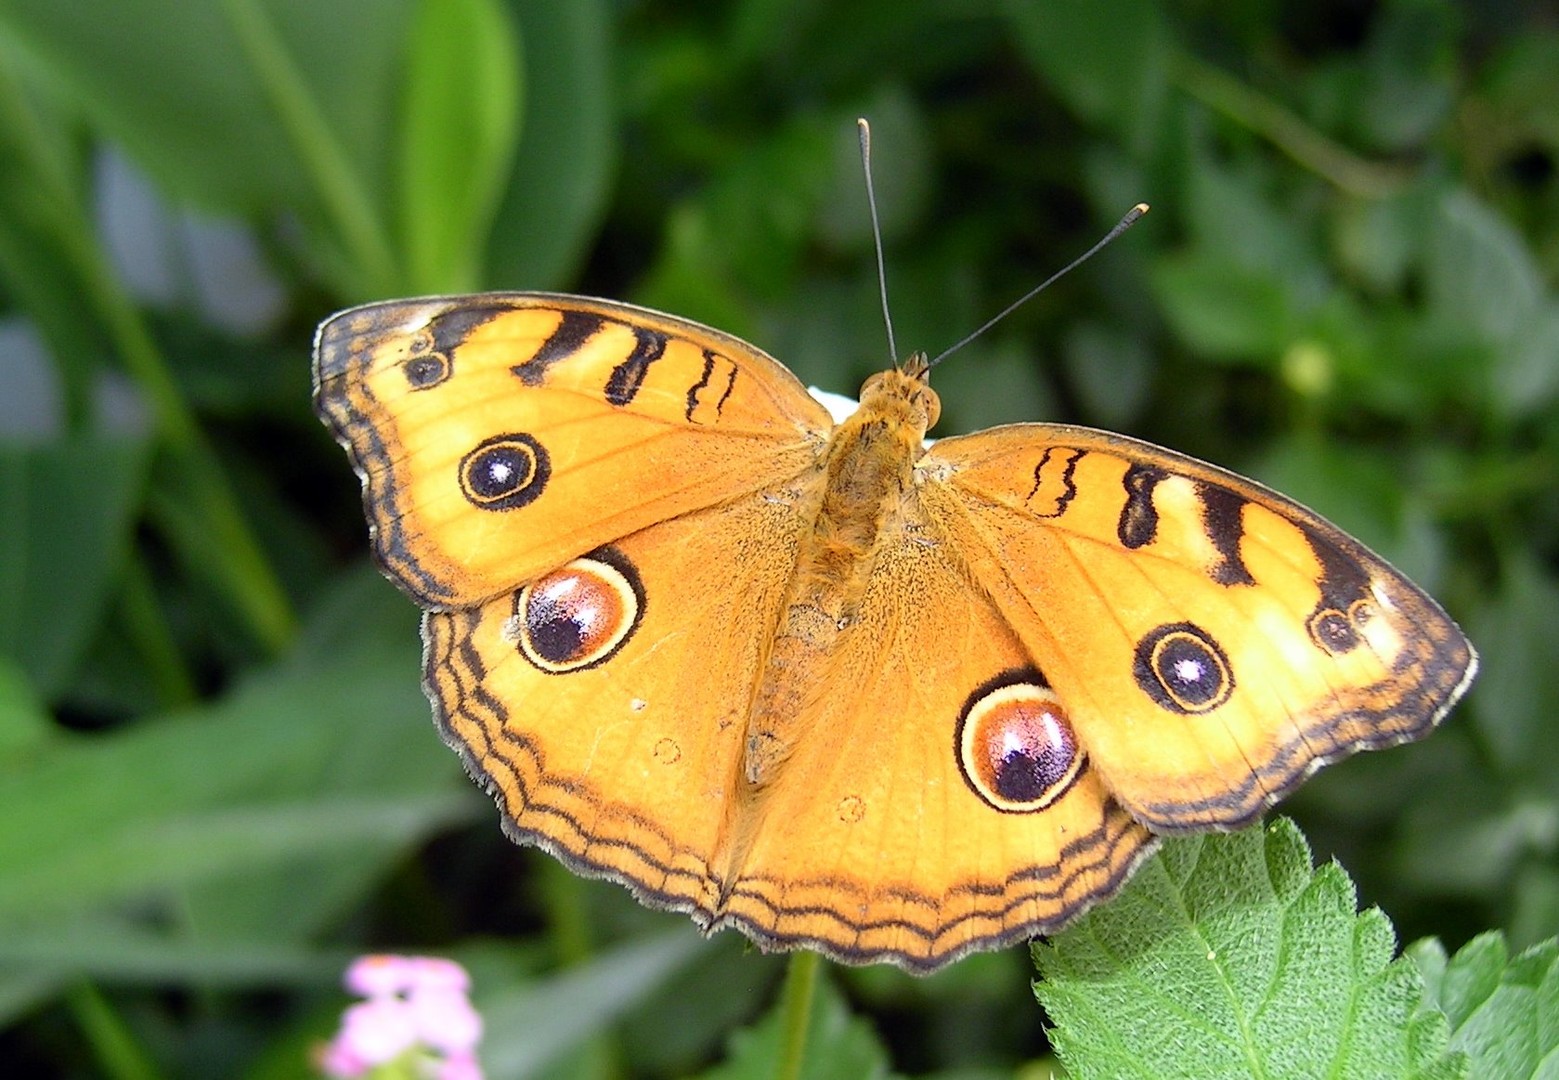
{"type": "Point", "coordinates": [217, 775]}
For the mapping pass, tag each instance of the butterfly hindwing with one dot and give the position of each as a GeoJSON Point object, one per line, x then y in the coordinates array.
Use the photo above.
{"type": "Point", "coordinates": [604, 704]}
{"type": "Point", "coordinates": [937, 802]}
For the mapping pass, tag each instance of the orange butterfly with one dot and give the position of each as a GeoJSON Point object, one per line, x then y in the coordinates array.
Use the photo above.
{"type": "Point", "coordinates": [823, 684]}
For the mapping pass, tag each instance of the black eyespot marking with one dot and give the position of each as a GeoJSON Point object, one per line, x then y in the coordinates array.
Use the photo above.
{"type": "Point", "coordinates": [426, 370]}
{"type": "Point", "coordinates": [505, 472]}
{"type": "Point", "coordinates": [1333, 632]}
{"type": "Point", "coordinates": [1182, 669]}
{"type": "Point", "coordinates": [1015, 745]}
{"type": "Point", "coordinates": [578, 616]}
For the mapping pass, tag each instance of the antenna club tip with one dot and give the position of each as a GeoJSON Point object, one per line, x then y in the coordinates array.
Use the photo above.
{"type": "Point", "coordinates": [1140, 209]}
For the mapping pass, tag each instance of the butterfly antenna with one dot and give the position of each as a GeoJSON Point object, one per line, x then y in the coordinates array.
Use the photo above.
{"type": "Point", "coordinates": [1131, 218]}
{"type": "Point", "coordinates": [871, 201]}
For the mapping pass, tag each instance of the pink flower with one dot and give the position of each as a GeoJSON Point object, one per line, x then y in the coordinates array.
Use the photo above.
{"type": "Point", "coordinates": [437, 973]}
{"type": "Point", "coordinates": [416, 1012]}
{"type": "Point", "coordinates": [379, 975]}
{"type": "Point", "coordinates": [445, 1020]}
{"type": "Point", "coordinates": [460, 1067]}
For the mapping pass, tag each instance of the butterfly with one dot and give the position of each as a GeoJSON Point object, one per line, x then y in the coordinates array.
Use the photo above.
{"type": "Point", "coordinates": [817, 681]}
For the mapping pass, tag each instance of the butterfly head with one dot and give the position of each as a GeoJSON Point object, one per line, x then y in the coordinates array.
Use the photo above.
{"type": "Point", "coordinates": [906, 387]}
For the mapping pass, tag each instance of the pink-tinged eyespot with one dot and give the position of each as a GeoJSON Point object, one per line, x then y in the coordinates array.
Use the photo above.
{"type": "Point", "coordinates": [579, 615]}
{"type": "Point", "coordinates": [1016, 747]}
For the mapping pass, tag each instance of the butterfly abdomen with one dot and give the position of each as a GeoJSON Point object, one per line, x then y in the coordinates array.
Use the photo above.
{"type": "Point", "coordinates": [866, 477]}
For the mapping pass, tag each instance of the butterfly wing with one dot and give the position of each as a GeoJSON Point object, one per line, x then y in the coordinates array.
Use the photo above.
{"type": "Point", "coordinates": [604, 705]}
{"type": "Point", "coordinates": [500, 435]}
{"type": "Point", "coordinates": [1214, 642]}
{"type": "Point", "coordinates": [936, 803]}
{"type": "Point", "coordinates": [624, 757]}
{"type": "Point", "coordinates": [1066, 639]}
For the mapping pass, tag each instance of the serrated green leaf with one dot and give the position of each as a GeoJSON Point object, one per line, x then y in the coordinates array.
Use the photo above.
{"type": "Point", "coordinates": [1229, 956]}
{"type": "Point", "coordinates": [459, 128]}
{"type": "Point", "coordinates": [1504, 1013]}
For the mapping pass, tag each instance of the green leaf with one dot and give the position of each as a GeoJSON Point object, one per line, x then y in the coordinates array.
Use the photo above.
{"type": "Point", "coordinates": [530, 1028]}
{"type": "Point", "coordinates": [994, 382]}
{"type": "Point", "coordinates": [1230, 956]}
{"type": "Point", "coordinates": [1479, 271]}
{"type": "Point", "coordinates": [748, 229]}
{"type": "Point", "coordinates": [1412, 71]}
{"type": "Point", "coordinates": [66, 510]}
{"type": "Point", "coordinates": [1504, 1013]}
{"type": "Point", "coordinates": [1515, 632]}
{"type": "Point", "coordinates": [315, 773]}
{"type": "Point", "coordinates": [459, 129]}
{"type": "Point", "coordinates": [24, 726]}
{"type": "Point", "coordinates": [22, 992]}
{"type": "Point", "coordinates": [1223, 310]}
{"type": "Point", "coordinates": [163, 77]}
{"type": "Point", "coordinates": [1229, 212]}
{"type": "Point", "coordinates": [839, 1046]}
{"type": "Point", "coordinates": [244, 106]}
{"type": "Point", "coordinates": [112, 949]}
{"type": "Point", "coordinates": [40, 234]}
{"type": "Point", "coordinates": [1111, 371]}
{"type": "Point", "coordinates": [557, 191]}
{"type": "Point", "coordinates": [901, 175]}
{"type": "Point", "coordinates": [1109, 62]}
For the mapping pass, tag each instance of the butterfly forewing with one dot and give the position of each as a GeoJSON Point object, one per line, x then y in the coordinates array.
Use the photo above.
{"type": "Point", "coordinates": [500, 435]}
{"type": "Point", "coordinates": [1217, 641]}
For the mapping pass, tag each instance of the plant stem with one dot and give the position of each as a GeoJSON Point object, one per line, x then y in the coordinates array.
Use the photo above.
{"type": "Point", "coordinates": [342, 193]}
{"type": "Point", "coordinates": [228, 550]}
{"type": "Point", "coordinates": [796, 1019]}
{"type": "Point", "coordinates": [116, 1048]}
{"type": "Point", "coordinates": [1288, 132]}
